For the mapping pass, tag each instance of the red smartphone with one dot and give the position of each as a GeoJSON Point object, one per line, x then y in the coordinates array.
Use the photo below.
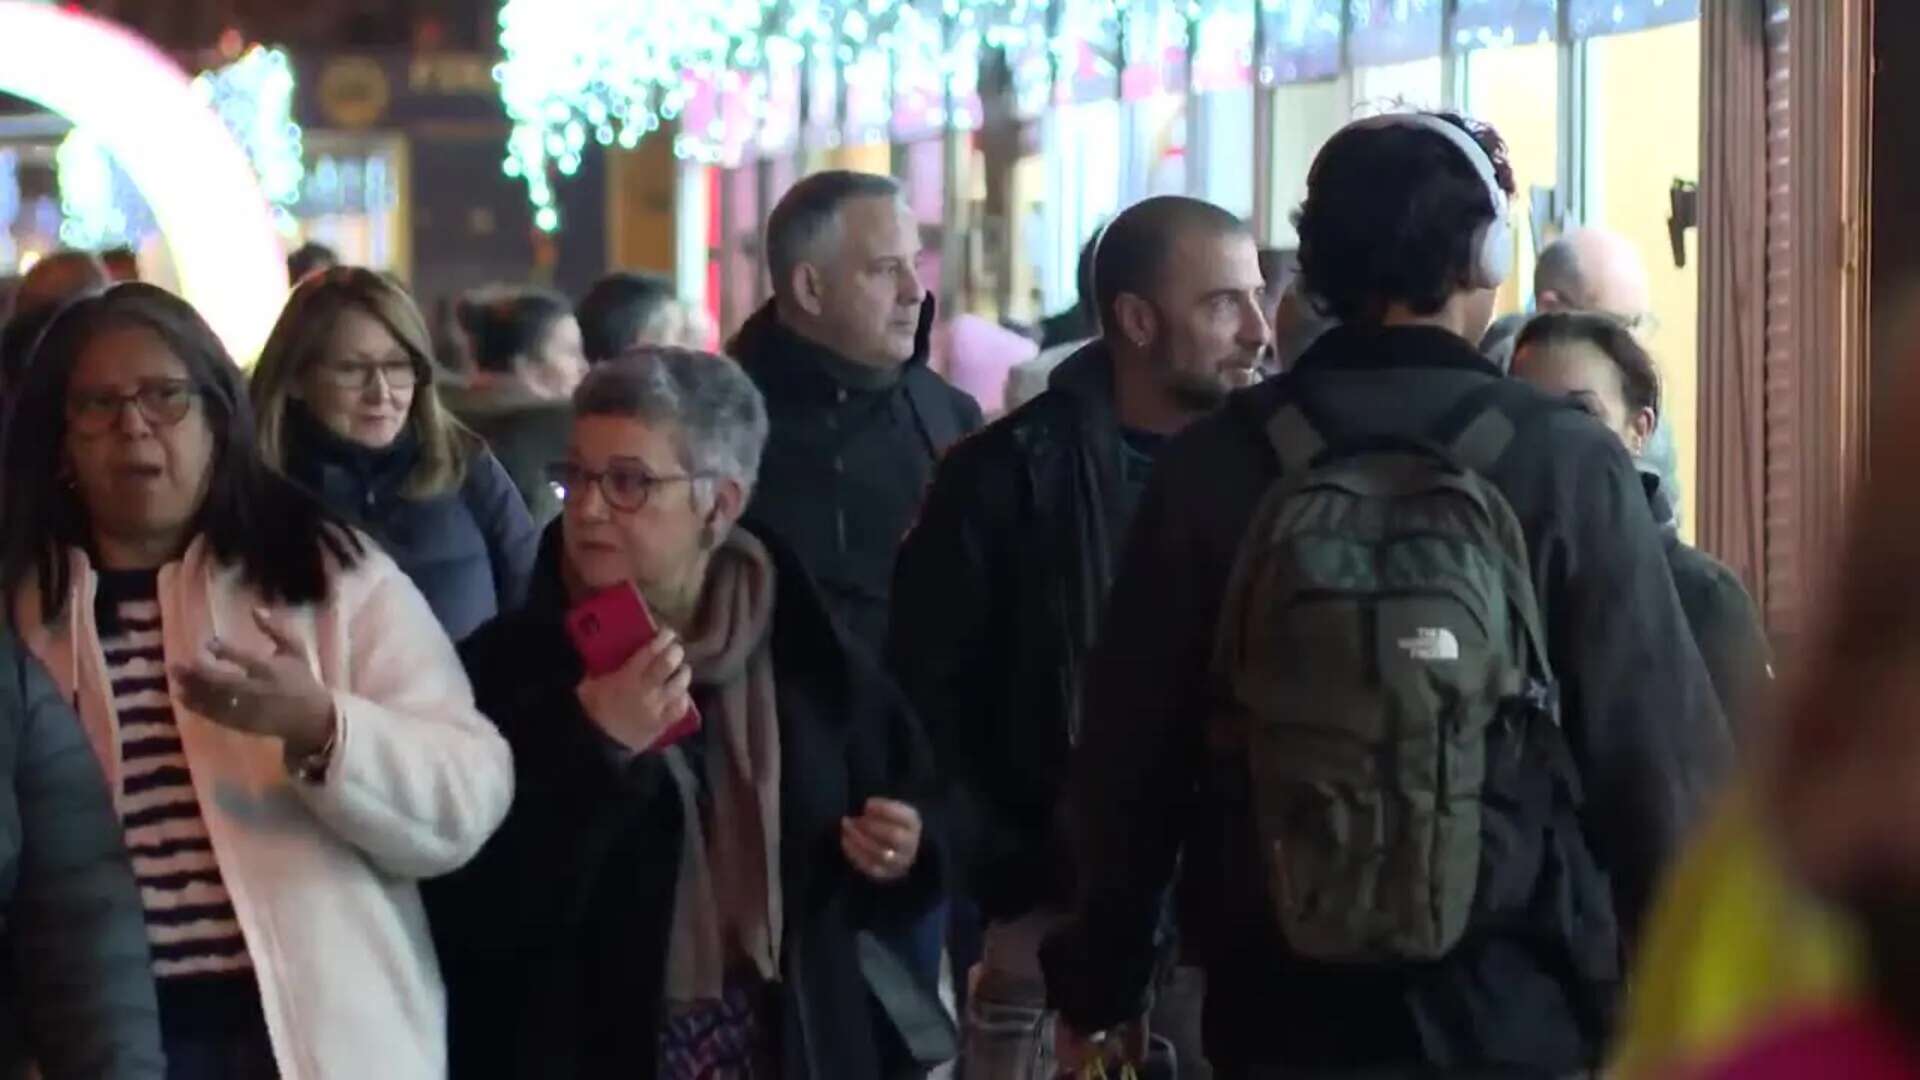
{"type": "Point", "coordinates": [609, 627]}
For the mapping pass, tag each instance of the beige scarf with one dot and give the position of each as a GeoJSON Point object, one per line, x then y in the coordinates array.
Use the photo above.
{"type": "Point", "coordinates": [727, 908]}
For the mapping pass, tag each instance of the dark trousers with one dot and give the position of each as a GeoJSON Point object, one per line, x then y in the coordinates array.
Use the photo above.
{"type": "Point", "coordinates": [213, 1029]}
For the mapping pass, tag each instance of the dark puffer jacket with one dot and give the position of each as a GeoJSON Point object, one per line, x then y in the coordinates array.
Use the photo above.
{"type": "Point", "coordinates": [470, 552]}
{"type": "Point", "coordinates": [76, 980]}
{"type": "Point", "coordinates": [848, 460]}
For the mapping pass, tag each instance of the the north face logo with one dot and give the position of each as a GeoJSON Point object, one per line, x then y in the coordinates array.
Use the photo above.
{"type": "Point", "coordinates": [1432, 644]}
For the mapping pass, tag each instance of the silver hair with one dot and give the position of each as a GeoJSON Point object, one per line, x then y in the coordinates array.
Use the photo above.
{"type": "Point", "coordinates": [721, 417]}
{"type": "Point", "coordinates": [809, 211]}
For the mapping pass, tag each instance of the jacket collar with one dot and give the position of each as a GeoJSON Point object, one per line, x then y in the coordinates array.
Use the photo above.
{"type": "Point", "coordinates": [1086, 375]}
{"type": "Point", "coordinates": [782, 355]}
{"type": "Point", "coordinates": [1374, 348]}
{"type": "Point", "coordinates": [315, 451]}
{"type": "Point", "coordinates": [1661, 505]}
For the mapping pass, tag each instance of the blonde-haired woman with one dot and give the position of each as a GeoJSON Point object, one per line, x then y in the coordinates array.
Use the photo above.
{"type": "Point", "coordinates": [347, 407]}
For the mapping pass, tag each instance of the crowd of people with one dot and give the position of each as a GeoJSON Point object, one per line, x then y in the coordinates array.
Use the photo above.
{"type": "Point", "coordinates": [1298, 677]}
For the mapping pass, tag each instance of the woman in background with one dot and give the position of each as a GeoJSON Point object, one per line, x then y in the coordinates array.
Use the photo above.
{"type": "Point", "coordinates": [527, 356]}
{"type": "Point", "coordinates": [1596, 361]}
{"type": "Point", "coordinates": [346, 404]}
{"type": "Point", "coordinates": [674, 904]}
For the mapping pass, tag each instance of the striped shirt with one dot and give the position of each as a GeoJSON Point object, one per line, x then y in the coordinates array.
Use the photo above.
{"type": "Point", "coordinates": [190, 920]}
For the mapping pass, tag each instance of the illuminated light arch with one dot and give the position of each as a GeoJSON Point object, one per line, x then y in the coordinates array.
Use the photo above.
{"type": "Point", "coordinates": [195, 177]}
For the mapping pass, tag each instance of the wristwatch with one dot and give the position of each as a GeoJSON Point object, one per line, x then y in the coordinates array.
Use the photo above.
{"type": "Point", "coordinates": [312, 769]}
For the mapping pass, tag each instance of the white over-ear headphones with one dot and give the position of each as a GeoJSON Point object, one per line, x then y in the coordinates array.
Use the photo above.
{"type": "Point", "coordinates": [1494, 242]}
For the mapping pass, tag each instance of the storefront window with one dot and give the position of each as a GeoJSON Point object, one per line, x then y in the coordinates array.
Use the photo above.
{"type": "Point", "coordinates": [1082, 192]}
{"type": "Point", "coordinates": [1382, 32]}
{"type": "Point", "coordinates": [352, 199]}
{"type": "Point", "coordinates": [1480, 24]}
{"type": "Point", "coordinates": [1224, 172]}
{"type": "Point", "coordinates": [1515, 90]}
{"type": "Point", "coordinates": [1594, 17]}
{"type": "Point", "coordinates": [1414, 84]}
{"type": "Point", "coordinates": [1643, 135]}
{"type": "Point", "coordinates": [1302, 40]}
{"type": "Point", "coordinates": [1305, 116]}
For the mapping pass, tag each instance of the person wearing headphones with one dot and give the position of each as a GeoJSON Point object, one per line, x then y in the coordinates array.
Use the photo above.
{"type": "Point", "coordinates": [1404, 238]}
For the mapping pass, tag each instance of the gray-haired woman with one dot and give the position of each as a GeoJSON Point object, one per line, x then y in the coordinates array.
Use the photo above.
{"type": "Point", "coordinates": [667, 906]}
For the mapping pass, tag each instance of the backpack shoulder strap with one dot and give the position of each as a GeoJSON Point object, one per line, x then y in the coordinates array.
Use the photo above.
{"type": "Point", "coordinates": [1295, 438]}
{"type": "Point", "coordinates": [1478, 429]}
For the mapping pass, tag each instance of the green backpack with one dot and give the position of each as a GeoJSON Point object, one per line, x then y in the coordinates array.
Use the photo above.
{"type": "Point", "coordinates": [1379, 646]}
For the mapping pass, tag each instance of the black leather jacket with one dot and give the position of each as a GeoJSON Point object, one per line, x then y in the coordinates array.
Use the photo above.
{"type": "Point", "coordinates": [996, 601]}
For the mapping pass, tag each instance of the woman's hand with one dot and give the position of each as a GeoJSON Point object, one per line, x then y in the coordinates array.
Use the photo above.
{"type": "Point", "coordinates": [645, 696]}
{"type": "Point", "coordinates": [884, 841]}
{"type": "Point", "coordinates": [274, 695]}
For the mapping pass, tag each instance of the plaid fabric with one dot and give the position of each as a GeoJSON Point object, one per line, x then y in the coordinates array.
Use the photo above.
{"type": "Point", "coordinates": [720, 1040]}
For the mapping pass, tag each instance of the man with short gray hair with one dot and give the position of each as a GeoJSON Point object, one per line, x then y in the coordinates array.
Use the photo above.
{"type": "Point", "coordinates": [858, 417]}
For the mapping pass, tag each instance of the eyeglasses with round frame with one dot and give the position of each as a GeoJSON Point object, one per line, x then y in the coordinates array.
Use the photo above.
{"type": "Point", "coordinates": [627, 487]}
{"type": "Point", "coordinates": [161, 403]}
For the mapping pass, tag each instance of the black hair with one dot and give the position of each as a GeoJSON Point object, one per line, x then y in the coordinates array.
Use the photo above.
{"type": "Point", "coordinates": [1639, 376]}
{"type": "Point", "coordinates": [506, 326]}
{"type": "Point", "coordinates": [276, 534]}
{"type": "Point", "coordinates": [618, 309]}
{"type": "Point", "coordinates": [1391, 215]}
{"type": "Point", "coordinates": [122, 263]}
{"type": "Point", "coordinates": [1134, 247]}
{"type": "Point", "coordinates": [808, 209]}
{"type": "Point", "coordinates": [308, 259]}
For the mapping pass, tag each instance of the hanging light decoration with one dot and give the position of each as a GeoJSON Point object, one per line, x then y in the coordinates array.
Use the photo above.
{"type": "Point", "coordinates": [253, 97]}
{"type": "Point", "coordinates": [614, 71]}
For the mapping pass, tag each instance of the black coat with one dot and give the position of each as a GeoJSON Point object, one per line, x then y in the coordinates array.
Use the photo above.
{"type": "Point", "coordinates": [847, 461]}
{"type": "Point", "coordinates": [76, 981]}
{"type": "Point", "coordinates": [526, 436]}
{"type": "Point", "coordinates": [553, 942]}
{"type": "Point", "coordinates": [997, 598]}
{"type": "Point", "coordinates": [469, 551]}
{"type": "Point", "coordinates": [1725, 624]}
{"type": "Point", "coordinates": [1647, 737]}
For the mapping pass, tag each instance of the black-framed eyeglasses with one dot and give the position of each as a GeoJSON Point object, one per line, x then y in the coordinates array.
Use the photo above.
{"type": "Point", "coordinates": [161, 403]}
{"type": "Point", "coordinates": [400, 373]}
{"type": "Point", "coordinates": [625, 487]}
